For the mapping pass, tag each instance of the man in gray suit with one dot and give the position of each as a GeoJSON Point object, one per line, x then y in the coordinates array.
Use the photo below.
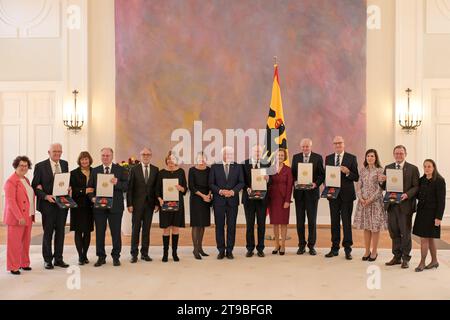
{"type": "Point", "coordinates": [400, 215]}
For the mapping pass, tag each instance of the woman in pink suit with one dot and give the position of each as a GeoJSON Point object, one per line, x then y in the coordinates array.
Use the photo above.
{"type": "Point", "coordinates": [279, 201]}
{"type": "Point", "coordinates": [19, 216]}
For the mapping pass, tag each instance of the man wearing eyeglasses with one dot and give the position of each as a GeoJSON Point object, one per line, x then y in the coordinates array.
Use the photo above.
{"type": "Point", "coordinates": [342, 207]}
{"type": "Point", "coordinates": [141, 203]}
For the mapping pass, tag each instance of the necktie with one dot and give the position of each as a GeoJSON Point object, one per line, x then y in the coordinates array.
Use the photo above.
{"type": "Point", "coordinates": [146, 174]}
{"type": "Point", "coordinates": [305, 159]}
{"type": "Point", "coordinates": [107, 170]}
{"type": "Point", "coordinates": [57, 168]}
{"type": "Point", "coordinates": [338, 160]}
{"type": "Point", "coordinates": [398, 166]}
{"type": "Point", "coordinates": [227, 170]}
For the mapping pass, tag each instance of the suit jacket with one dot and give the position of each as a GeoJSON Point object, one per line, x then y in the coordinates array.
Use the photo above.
{"type": "Point", "coordinates": [140, 192]}
{"type": "Point", "coordinates": [17, 204]}
{"type": "Point", "coordinates": [119, 189]}
{"type": "Point", "coordinates": [218, 181]}
{"type": "Point", "coordinates": [318, 175]}
{"type": "Point", "coordinates": [78, 182]}
{"type": "Point", "coordinates": [347, 192]}
{"type": "Point", "coordinates": [411, 178]}
{"type": "Point", "coordinates": [43, 175]}
{"type": "Point", "coordinates": [247, 167]}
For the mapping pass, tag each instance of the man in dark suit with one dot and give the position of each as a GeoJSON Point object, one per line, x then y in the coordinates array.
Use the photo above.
{"type": "Point", "coordinates": [53, 218]}
{"type": "Point", "coordinates": [254, 209]}
{"type": "Point", "coordinates": [342, 207]}
{"type": "Point", "coordinates": [141, 201]}
{"type": "Point", "coordinates": [400, 215]}
{"type": "Point", "coordinates": [306, 201]}
{"type": "Point", "coordinates": [226, 179]}
{"type": "Point", "coordinates": [111, 216]}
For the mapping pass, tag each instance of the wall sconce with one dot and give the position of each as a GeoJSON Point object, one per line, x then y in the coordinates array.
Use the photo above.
{"type": "Point", "coordinates": [410, 120]}
{"type": "Point", "coordinates": [74, 121]}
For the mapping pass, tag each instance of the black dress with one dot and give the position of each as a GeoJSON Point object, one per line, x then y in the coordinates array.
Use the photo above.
{"type": "Point", "coordinates": [176, 218]}
{"type": "Point", "coordinates": [200, 211]}
{"type": "Point", "coordinates": [430, 207]}
{"type": "Point", "coordinates": [81, 218]}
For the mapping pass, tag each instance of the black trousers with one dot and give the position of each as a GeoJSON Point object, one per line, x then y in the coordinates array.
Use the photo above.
{"type": "Point", "coordinates": [225, 214]}
{"type": "Point", "coordinates": [341, 210]}
{"type": "Point", "coordinates": [141, 220]}
{"type": "Point", "coordinates": [400, 226]}
{"type": "Point", "coordinates": [114, 220]}
{"type": "Point", "coordinates": [306, 208]}
{"type": "Point", "coordinates": [255, 210]}
{"type": "Point", "coordinates": [53, 222]}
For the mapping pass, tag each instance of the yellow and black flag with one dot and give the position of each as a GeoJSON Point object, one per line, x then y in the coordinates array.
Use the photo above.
{"type": "Point", "coordinates": [276, 130]}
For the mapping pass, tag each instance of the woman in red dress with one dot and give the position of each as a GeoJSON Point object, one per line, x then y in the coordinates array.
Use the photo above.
{"type": "Point", "coordinates": [279, 201]}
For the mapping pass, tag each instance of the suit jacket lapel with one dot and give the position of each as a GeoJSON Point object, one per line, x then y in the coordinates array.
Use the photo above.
{"type": "Point", "coordinates": [49, 169]}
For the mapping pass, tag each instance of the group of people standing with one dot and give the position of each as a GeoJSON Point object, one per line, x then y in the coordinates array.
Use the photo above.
{"type": "Point", "coordinates": [218, 187]}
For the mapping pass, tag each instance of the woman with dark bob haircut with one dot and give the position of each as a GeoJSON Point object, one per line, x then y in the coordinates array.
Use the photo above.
{"type": "Point", "coordinates": [82, 217]}
{"type": "Point", "coordinates": [19, 216]}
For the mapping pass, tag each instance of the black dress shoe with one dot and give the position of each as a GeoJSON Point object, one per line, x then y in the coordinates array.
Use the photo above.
{"type": "Point", "coordinates": [26, 268]}
{"type": "Point", "coordinates": [16, 273]}
{"type": "Point", "coordinates": [203, 253]}
{"type": "Point", "coordinates": [133, 259]}
{"type": "Point", "coordinates": [230, 255]}
{"type": "Point", "coordinates": [393, 262]}
{"type": "Point", "coordinates": [348, 256]}
{"type": "Point", "coordinates": [86, 261]}
{"type": "Point", "coordinates": [100, 262]}
{"type": "Point", "coordinates": [197, 255]}
{"type": "Point", "coordinates": [405, 264]}
{"type": "Point", "coordinates": [61, 264]}
{"type": "Point", "coordinates": [261, 254]}
{"type": "Point", "coordinates": [48, 265]}
{"type": "Point", "coordinates": [116, 262]}
{"type": "Point", "coordinates": [301, 250]}
{"type": "Point", "coordinates": [146, 258]}
{"type": "Point", "coordinates": [221, 255]}
{"type": "Point", "coordinates": [332, 254]}
{"type": "Point", "coordinates": [81, 262]}
{"type": "Point", "coordinates": [249, 254]}
{"type": "Point", "coordinates": [312, 251]}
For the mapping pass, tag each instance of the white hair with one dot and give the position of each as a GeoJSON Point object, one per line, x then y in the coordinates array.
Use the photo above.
{"type": "Point", "coordinates": [306, 140]}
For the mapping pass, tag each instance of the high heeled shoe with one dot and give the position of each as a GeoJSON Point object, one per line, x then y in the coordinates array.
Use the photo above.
{"type": "Point", "coordinates": [365, 258]}
{"type": "Point", "coordinates": [372, 259]}
{"type": "Point", "coordinates": [419, 269]}
{"type": "Point", "coordinates": [276, 250]}
{"type": "Point", "coordinates": [282, 253]}
{"type": "Point", "coordinates": [432, 266]}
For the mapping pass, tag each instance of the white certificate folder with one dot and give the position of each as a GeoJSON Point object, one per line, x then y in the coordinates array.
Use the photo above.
{"type": "Point", "coordinates": [333, 176]}
{"type": "Point", "coordinates": [61, 184]}
{"type": "Point", "coordinates": [170, 192]}
{"type": "Point", "coordinates": [258, 181]}
{"type": "Point", "coordinates": [105, 187]}
{"type": "Point", "coordinates": [394, 180]}
{"type": "Point", "coordinates": [305, 173]}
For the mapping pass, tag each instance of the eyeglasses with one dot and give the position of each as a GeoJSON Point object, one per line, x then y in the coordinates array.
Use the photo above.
{"type": "Point", "coordinates": [336, 143]}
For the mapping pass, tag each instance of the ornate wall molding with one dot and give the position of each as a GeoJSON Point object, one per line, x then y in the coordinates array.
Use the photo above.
{"type": "Point", "coordinates": [30, 18]}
